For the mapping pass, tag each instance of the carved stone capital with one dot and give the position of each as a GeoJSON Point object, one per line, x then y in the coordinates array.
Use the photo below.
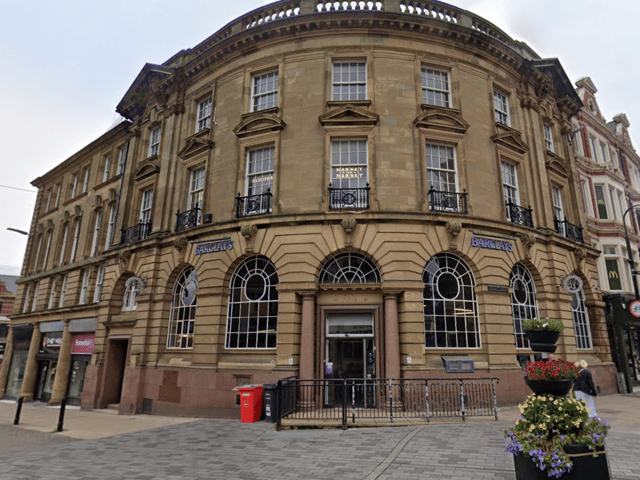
{"type": "Point", "coordinates": [528, 240]}
{"type": "Point", "coordinates": [580, 254]}
{"type": "Point", "coordinates": [249, 233]}
{"type": "Point", "coordinates": [453, 229]}
{"type": "Point", "coordinates": [349, 225]}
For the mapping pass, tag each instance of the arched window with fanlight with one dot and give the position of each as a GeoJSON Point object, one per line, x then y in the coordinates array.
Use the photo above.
{"type": "Point", "coordinates": [252, 314]}
{"type": "Point", "coordinates": [450, 307]}
{"type": "Point", "coordinates": [349, 267]}
{"type": "Point", "coordinates": [132, 287]}
{"type": "Point", "coordinates": [573, 284]}
{"type": "Point", "coordinates": [183, 310]}
{"type": "Point", "coordinates": [524, 305]}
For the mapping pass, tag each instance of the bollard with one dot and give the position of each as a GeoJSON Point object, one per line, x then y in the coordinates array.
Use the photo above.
{"type": "Point", "coordinates": [63, 405]}
{"type": "Point", "coordinates": [16, 419]}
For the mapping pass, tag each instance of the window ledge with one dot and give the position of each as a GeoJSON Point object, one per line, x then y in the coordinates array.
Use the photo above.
{"type": "Point", "coordinates": [339, 103]}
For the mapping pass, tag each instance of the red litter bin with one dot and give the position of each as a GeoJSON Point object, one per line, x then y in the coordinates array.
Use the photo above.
{"type": "Point", "coordinates": [250, 403]}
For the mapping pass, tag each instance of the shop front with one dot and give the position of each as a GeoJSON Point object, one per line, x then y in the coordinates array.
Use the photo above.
{"type": "Point", "coordinates": [81, 350]}
{"type": "Point", "coordinates": [47, 359]}
{"type": "Point", "coordinates": [21, 340]}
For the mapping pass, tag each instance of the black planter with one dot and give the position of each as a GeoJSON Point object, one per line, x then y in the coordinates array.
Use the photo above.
{"type": "Point", "coordinates": [542, 340]}
{"type": "Point", "coordinates": [556, 388]}
{"type": "Point", "coordinates": [585, 466]}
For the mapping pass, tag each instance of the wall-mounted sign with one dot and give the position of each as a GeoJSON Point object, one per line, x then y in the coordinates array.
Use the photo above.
{"type": "Point", "coordinates": [498, 288]}
{"type": "Point", "coordinates": [634, 308]}
{"type": "Point", "coordinates": [215, 246]}
{"type": "Point", "coordinates": [50, 342]}
{"type": "Point", "coordinates": [491, 244]}
{"type": "Point", "coordinates": [83, 344]}
{"type": "Point", "coordinates": [458, 364]}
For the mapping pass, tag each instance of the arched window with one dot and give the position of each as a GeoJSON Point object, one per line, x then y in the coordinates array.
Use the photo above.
{"type": "Point", "coordinates": [524, 305]}
{"type": "Point", "coordinates": [349, 268]}
{"type": "Point", "coordinates": [252, 315]}
{"type": "Point", "coordinates": [132, 288]}
{"type": "Point", "coordinates": [579, 312]}
{"type": "Point", "coordinates": [449, 304]}
{"type": "Point", "coordinates": [183, 310]}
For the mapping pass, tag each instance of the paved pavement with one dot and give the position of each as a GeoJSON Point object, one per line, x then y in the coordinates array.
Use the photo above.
{"type": "Point", "coordinates": [151, 447]}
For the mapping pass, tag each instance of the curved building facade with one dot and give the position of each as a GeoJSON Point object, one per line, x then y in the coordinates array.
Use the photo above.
{"type": "Point", "coordinates": [318, 189]}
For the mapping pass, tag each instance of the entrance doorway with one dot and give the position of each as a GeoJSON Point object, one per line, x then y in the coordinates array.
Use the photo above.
{"type": "Point", "coordinates": [115, 365]}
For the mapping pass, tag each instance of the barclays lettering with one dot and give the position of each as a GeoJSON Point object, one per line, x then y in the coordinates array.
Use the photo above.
{"type": "Point", "coordinates": [491, 244]}
{"type": "Point", "coordinates": [219, 246]}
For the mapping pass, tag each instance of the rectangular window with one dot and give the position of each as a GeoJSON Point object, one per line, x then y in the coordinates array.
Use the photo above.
{"type": "Point", "coordinates": [613, 273]}
{"type": "Point", "coordinates": [349, 163]}
{"type": "Point", "coordinates": [85, 287]}
{"type": "Point", "coordinates": [501, 107]}
{"type": "Point", "coordinates": [603, 150]}
{"type": "Point", "coordinates": [63, 246]}
{"type": "Point", "coordinates": [58, 195]}
{"type": "Point", "coordinates": [74, 245]}
{"type": "Point", "coordinates": [154, 141]}
{"type": "Point", "coordinates": [145, 206]}
{"type": "Point", "coordinates": [586, 196]}
{"type": "Point", "coordinates": [27, 295]}
{"type": "Point", "coordinates": [34, 303]}
{"type": "Point", "coordinates": [600, 202]}
{"type": "Point", "coordinates": [612, 197]}
{"type": "Point", "coordinates": [435, 87]}
{"type": "Point", "coordinates": [63, 291]}
{"type": "Point", "coordinates": [349, 81]}
{"type": "Point", "coordinates": [52, 293]}
{"type": "Point", "coordinates": [264, 91]}
{"type": "Point", "coordinates": [204, 115]}
{"type": "Point", "coordinates": [96, 233]}
{"type": "Point", "coordinates": [48, 205]}
{"type": "Point", "coordinates": [85, 182]}
{"type": "Point", "coordinates": [260, 166]}
{"type": "Point", "coordinates": [510, 183]}
{"type": "Point", "coordinates": [97, 294]}
{"type": "Point", "coordinates": [594, 151]}
{"type": "Point", "coordinates": [621, 203]}
{"type": "Point", "coordinates": [74, 186]}
{"type": "Point", "coordinates": [107, 169]}
{"type": "Point", "coordinates": [111, 227]}
{"type": "Point", "coordinates": [441, 168]}
{"type": "Point", "coordinates": [548, 136]}
{"type": "Point", "coordinates": [557, 203]}
{"type": "Point", "coordinates": [122, 159]}
{"type": "Point", "coordinates": [196, 188]}
{"type": "Point", "coordinates": [37, 260]}
{"type": "Point", "coordinates": [45, 260]}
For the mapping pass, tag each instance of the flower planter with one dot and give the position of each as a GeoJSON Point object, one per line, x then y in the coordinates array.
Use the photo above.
{"type": "Point", "coordinates": [542, 340]}
{"type": "Point", "coordinates": [585, 466]}
{"type": "Point", "coordinates": [549, 387]}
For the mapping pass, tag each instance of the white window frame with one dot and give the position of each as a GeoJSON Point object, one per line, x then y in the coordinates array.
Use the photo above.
{"type": "Point", "coordinates": [521, 281]}
{"type": "Point", "coordinates": [260, 169]}
{"type": "Point", "coordinates": [52, 293]}
{"type": "Point", "coordinates": [85, 181]}
{"type": "Point", "coordinates": [49, 195]}
{"type": "Point", "coordinates": [154, 140]}
{"type": "Point", "coordinates": [122, 158]}
{"type": "Point", "coordinates": [264, 90]}
{"type": "Point", "coordinates": [610, 253]}
{"type": "Point", "coordinates": [58, 195]}
{"type": "Point", "coordinates": [27, 301]}
{"type": "Point", "coordinates": [63, 246]}
{"type": "Point", "coordinates": [435, 169]}
{"type": "Point", "coordinates": [74, 186]}
{"type": "Point", "coordinates": [146, 204]}
{"type": "Point", "coordinates": [349, 80]}
{"type": "Point", "coordinates": [436, 87]}
{"type": "Point", "coordinates": [111, 227]}
{"type": "Point", "coordinates": [594, 150]}
{"type": "Point", "coordinates": [548, 137]}
{"type": "Point", "coordinates": [196, 188]}
{"type": "Point", "coordinates": [76, 237]}
{"type": "Point", "coordinates": [203, 120]}
{"type": "Point", "coordinates": [96, 233]}
{"type": "Point", "coordinates": [85, 286]}
{"type": "Point", "coordinates": [345, 171]}
{"type": "Point", "coordinates": [510, 183]}
{"type": "Point", "coordinates": [63, 291]}
{"type": "Point", "coordinates": [501, 107]}
{"type": "Point", "coordinates": [601, 186]}
{"type": "Point", "coordinates": [107, 168]}
{"type": "Point", "coordinates": [603, 150]}
{"type": "Point", "coordinates": [182, 317]}
{"type": "Point", "coordinates": [34, 302]}
{"type": "Point", "coordinates": [558, 209]}
{"type": "Point", "coordinates": [38, 249]}
{"type": "Point", "coordinates": [47, 250]}
{"type": "Point", "coordinates": [97, 293]}
{"type": "Point", "coordinates": [132, 288]}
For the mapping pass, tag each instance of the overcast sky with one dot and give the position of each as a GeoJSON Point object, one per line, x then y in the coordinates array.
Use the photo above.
{"type": "Point", "coordinates": [65, 65]}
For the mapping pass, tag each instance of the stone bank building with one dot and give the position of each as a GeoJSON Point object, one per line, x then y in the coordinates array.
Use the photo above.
{"type": "Point", "coordinates": [316, 190]}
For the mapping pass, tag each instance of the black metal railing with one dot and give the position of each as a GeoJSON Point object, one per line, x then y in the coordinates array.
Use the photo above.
{"type": "Point", "coordinates": [520, 215]}
{"type": "Point", "coordinates": [259, 204]}
{"type": "Point", "coordinates": [440, 201]}
{"type": "Point", "coordinates": [569, 230]}
{"type": "Point", "coordinates": [344, 401]}
{"type": "Point", "coordinates": [135, 233]}
{"type": "Point", "coordinates": [354, 198]}
{"type": "Point", "coordinates": [188, 219]}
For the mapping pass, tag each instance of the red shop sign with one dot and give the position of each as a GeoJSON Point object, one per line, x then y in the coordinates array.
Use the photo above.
{"type": "Point", "coordinates": [83, 343]}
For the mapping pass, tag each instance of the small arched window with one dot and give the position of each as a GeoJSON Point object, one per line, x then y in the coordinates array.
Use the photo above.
{"type": "Point", "coordinates": [252, 315]}
{"type": "Point", "coordinates": [183, 310]}
{"type": "Point", "coordinates": [579, 312]}
{"type": "Point", "coordinates": [349, 267]}
{"type": "Point", "coordinates": [524, 305]}
{"type": "Point", "coordinates": [132, 288]}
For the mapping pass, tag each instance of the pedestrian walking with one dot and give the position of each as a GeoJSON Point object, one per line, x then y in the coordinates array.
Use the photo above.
{"type": "Point", "coordinates": [584, 388]}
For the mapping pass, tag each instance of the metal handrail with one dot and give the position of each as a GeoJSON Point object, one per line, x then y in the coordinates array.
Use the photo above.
{"type": "Point", "coordinates": [349, 198]}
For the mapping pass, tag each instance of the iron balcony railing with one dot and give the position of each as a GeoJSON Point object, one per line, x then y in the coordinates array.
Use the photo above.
{"type": "Point", "coordinates": [349, 198]}
{"type": "Point", "coordinates": [569, 230]}
{"type": "Point", "coordinates": [135, 233]}
{"type": "Point", "coordinates": [441, 201]}
{"type": "Point", "coordinates": [259, 204]}
{"type": "Point", "coordinates": [344, 401]}
{"type": "Point", "coordinates": [188, 219]}
{"type": "Point", "coordinates": [520, 215]}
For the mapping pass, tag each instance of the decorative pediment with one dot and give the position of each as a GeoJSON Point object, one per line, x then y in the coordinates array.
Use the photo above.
{"type": "Point", "coordinates": [556, 164]}
{"type": "Point", "coordinates": [509, 138]}
{"type": "Point", "coordinates": [194, 145]}
{"type": "Point", "coordinates": [348, 115]}
{"type": "Point", "coordinates": [147, 168]}
{"type": "Point", "coordinates": [441, 119]}
{"type": "Point", "coordinates": [257, 123]}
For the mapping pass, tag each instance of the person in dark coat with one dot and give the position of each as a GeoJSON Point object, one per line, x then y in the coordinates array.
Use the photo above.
{"type": "Point", "coordinates": [584, 388]}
